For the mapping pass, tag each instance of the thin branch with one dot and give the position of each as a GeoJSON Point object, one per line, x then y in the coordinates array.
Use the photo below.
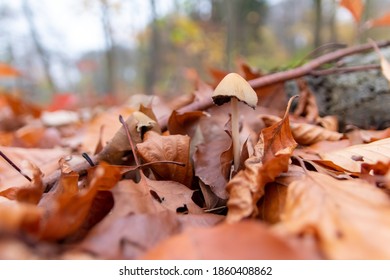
{"type": "Point", "coordinates": [10, 162]}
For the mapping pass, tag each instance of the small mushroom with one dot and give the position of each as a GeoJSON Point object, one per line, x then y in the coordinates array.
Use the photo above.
{"type": "Point", "coordinates": [143, 121]}
{"type": "Point", "coordinates": [235, 88]}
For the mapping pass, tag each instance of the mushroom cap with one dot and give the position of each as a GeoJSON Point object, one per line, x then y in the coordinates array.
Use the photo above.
{"type": "Point", "coordinates": [233, 85]}
{"type": "Point", "coordinates": [143, 121]}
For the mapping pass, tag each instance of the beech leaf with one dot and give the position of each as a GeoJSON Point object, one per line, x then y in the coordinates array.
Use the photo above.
{"type": "Point", "coordinates": [304, 133]}
{"type": "Point", "coordinates": [352, 157]}
{"type": "Point", "coordinates": [252, 240]}
{"type": "Point", "coordinates": [351, 218]}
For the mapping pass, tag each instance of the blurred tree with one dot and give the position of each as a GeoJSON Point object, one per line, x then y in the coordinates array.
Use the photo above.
{"type": "Point", "coordinates": [153, 59]}
{"type": "Point", "coordinates": [110, 50]}
{"type": "Point", "coordinates": [43, 54]}
{"type": "Point", "coordinates": [317, 23]}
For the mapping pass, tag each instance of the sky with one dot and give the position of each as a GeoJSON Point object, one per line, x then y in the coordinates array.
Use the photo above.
{"type": "Point", "coordinates": [71, 26]}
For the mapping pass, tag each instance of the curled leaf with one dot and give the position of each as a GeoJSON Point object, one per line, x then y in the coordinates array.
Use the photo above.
{"type": "Point", "coordinates": [306, 134]}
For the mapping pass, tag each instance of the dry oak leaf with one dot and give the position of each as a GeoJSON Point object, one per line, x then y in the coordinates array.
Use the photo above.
{"type": "Point", "coordinates": [271, 157]}
{"type": "Point", "coordinates": [350, 218]}
{"type": "Point", "coordinates": [168, 148]}
{"type": "Point", "coordinates": [304, 133]}
{"type": "Point", "coordinates": [352, 157]}
{"type": "Point", "coordinates": [252, 240]}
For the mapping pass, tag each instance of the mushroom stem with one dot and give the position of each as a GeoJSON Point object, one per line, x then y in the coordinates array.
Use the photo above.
{"type": "Point", "coordinates": [235, 133]}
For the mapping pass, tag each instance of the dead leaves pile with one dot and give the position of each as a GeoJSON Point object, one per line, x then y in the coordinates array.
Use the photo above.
{"type": "Point", "coordinates": [303, 189]}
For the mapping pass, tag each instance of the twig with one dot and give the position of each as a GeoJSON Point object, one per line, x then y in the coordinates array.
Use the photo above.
{"type": "Point", "coordinates": [282, 76]}
{"type": "Point", "coordinates": [14, 166]}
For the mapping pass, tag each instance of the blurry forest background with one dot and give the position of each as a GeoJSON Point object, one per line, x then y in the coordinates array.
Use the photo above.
{"type": "Point", "coordinates": [96, 49]}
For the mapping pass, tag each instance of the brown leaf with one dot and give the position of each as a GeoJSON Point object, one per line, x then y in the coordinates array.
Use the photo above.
{"type": "Point", "coordinates": [17, 216]}
{"type": "Point", "coordinates": [304, 133]}
{"type": "Point", "coordinates": [129, 236]}
{"type": "Point", "coordinates": [31, 194]}
{"type": "Point", "coordinates": [272, 203]}
{"type": "Point", "coordinates": [307, 104]}
{"type": "Point", "coordinates": [46, 159]}
{"type": "Point", "coordinates": [252, 240]}
{"type": "Point", "coordinates": [109, 121]}
{"type": "Point", "coordinates": [271, 157]}
{"type": "Point", "coordinates": [184, 124]}
{"type": "Point", "coordinates": [355, 7]}
{"type": "Point", "coordinates": [66, 207]}
{"type": "Point", "coordinates": [211, 156]}
{"type": "Point", "coordinates": [360, 136]}
{"type": "Point", "coordinates": [139, 220]}
{"type": "Point", "coordinates": [367, 153]}
{"type": "Point", "coordinates": [350, 218]}
{"type": "Point", "coordinates": [168, 148]}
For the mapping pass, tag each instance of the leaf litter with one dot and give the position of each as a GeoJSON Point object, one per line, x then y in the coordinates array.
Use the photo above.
{"type": "Point", "coordinates": [160, 185]}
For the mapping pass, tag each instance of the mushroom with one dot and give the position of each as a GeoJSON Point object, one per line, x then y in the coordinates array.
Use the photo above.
{"type": "Point", "coordinates": [235, 88]}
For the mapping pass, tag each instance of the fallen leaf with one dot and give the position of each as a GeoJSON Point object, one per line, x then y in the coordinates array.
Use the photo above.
{"type": "Point", "coordinates": [271, 157]}
{"type": "Point", "coordinates": [350, 218]}
{"type": "Point", "coordinates": [66, 207]}
{"type": "Point", "coordinates": [45, 159]}
{"type": "Point", "coordinates": [252, 240]}
{"type": "Point", "coordinates": [210, 156]}
{"type": "Point", "coordinates": [156, 147]}
{"type": "Point", "coordinates": [307, 104]}
{"type": "Point", "coordinates": [304, 133]}
{"type": "Point", "coordinates": [360, 136]}
{"type": "Point", "coordinates": [368, 153]}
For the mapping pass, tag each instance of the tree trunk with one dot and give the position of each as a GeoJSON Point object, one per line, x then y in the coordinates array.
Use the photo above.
{"type": "Point", "coordinates": [42, 53]}
{"type": "Point", "coordinates": [317, 23]}
{"type": "Point", "coordinates": [231, 33]}
{"type": "Point", "coordinates": [110, 55]}
{"type": "Point", "coordinates": [153, 62]}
